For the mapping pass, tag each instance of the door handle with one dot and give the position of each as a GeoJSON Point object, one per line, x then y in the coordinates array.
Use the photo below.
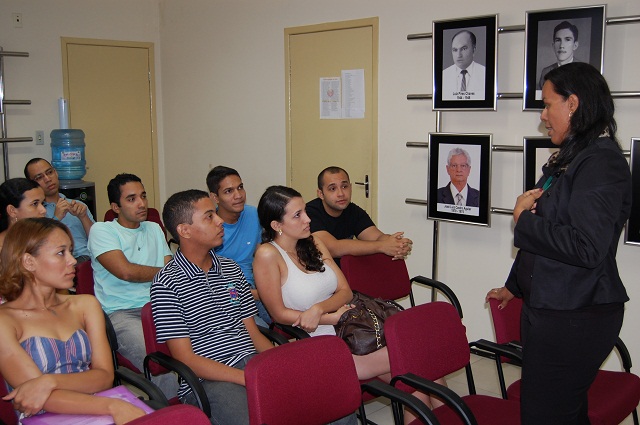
{"type": "Point", "coordinates": [365, 184]}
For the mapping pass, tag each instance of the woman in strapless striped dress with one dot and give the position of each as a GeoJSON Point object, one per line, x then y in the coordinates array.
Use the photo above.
{"type": "Point", "coordinates": [54, 353]}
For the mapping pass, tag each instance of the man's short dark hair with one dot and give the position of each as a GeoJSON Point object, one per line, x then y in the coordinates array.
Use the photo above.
{"type": "Point", "coordinates": [31, 162]}
{"type": "Point", "coordinates": [472, 36]}
{"type": "Point", "coordinates": [216, 175]}
{"type": "Point", "coordinates": [566, 25]}
{"type": "Point", "coordinates": [113, 188]}
{"type": "Point", "coordinates": [179, 209]}
{"type": "Point", "coordinates": [331, 170]}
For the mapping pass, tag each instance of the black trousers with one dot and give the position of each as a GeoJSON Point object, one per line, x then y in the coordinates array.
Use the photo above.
{"type": "Point", "coordinates": [562, 352]}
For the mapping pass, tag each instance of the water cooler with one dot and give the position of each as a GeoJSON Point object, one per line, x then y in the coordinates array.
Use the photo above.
{"type": "Point", "coordinates": [67, 157]}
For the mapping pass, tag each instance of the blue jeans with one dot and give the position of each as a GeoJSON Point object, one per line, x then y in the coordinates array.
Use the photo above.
{"type": "Point", "coordinates": [128, 327]}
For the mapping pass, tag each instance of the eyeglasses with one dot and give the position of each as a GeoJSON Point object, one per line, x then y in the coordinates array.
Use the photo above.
{"type": "Point", "coordinates": [48, 172]}
{"type": "Point", "coordinates": [461, 166]}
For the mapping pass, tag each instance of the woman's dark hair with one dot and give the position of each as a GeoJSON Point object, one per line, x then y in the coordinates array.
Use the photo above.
{"type": "Point", "coordinates": [272, 207]}
{"type": "Point", "coordinates": [12, 193]}
{"type": "Point", "coordinates": [26, 236]}
{"type": "Point", "coordinates": [594, 114]}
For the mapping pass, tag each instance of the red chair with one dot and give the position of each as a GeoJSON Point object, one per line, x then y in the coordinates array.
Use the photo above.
{"type": "Point", "coordinates": [152, 215]}
{"type": "Point", "coordinates": [84, 278]}
{"type": "Point", "coordinates": [380, 276]}
{"type": "Point", "coordinates": [159, 361]}
{"type": "Point", "coordinates": [428, 342]}
{"type": "Point", "coordinates": [179, 414]}
{"type": "Point", "coordinates": [612, 396]}
{"type": "Point", "coordinates": [7, 414]}
{"type": "Point", "coordinates": [312, 381]}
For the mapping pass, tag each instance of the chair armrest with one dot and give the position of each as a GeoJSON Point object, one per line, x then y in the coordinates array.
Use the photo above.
{"type": "Point", "coordinates": [184, 372]}
{"type": "Point", "coordinates": [453, 400]}
{"type": "Point", "coordinates": [380, 389]}
{"type": "Point", "coordinates": [273, 336]}
{"type": "Point", "coordinates": [506, 350]}
{"type": "Point", "coordinates": [624, 355]}
{"type": "Point", "coordinates": [296, 333]}
{"type": "Point", "coordinates": [448, 292]}
{"type": "Point", "coordinates": [157, 399]}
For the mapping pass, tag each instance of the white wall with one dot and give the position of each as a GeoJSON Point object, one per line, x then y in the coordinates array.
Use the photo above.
{"type": "Point", "coordinates": [39, 77]}
{"type": "Point", "coordinates": [220, 75]}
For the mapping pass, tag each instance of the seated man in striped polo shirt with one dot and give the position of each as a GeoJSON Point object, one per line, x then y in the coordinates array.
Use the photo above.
{"type": "Point", "coordinates": [203, 308]}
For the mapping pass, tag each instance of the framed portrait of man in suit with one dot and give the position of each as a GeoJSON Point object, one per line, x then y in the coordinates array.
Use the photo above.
{"type": "Point", "coordinates": [464, 63]}
{"type": "Point", "coordinates": [536, 153]}
{"type": "Point", "coordinates": [459, 178]}
{"type": "Point", "coordinates": [556, 37]}
{"type": "Point", "coordinates": [632, 230]}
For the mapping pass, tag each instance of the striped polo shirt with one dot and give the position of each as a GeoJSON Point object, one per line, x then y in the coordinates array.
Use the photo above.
{"type": "Point", "coordinates": [207, 308]}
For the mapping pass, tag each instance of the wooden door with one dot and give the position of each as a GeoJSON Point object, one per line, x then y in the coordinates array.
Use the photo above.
{"type": "Point", "coordinates": [110, 88]}
{"type": "Point", "coordinates": [324, 51]}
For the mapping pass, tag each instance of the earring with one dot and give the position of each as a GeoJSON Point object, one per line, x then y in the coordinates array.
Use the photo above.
{"type": "Point", "coordinates": [15, 219]}
{"type": "Point", "coordinates": [570, 114]}
{"type": "Point", "coordinates": [279, 232]}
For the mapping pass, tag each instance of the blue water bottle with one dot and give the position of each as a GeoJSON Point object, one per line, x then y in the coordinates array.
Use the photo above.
{"type": "Point", "coordinates": [67, 153]}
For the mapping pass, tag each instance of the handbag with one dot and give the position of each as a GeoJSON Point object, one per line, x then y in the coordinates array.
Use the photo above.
{"type": "Point", "coordinates": [362, 327]}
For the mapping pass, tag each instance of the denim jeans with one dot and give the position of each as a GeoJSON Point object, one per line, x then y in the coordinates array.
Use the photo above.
{"type": "Point", "coordinates": [128, 327]}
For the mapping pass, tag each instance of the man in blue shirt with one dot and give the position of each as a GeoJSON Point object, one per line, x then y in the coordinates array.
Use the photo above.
{"type": "Point", "coordinates": [242, 231]}
{"type": "Point", "coordinates": [74, 214]}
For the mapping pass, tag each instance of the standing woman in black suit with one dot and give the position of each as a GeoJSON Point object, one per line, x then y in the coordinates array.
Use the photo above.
{"type": "Point", "coordinates": [568, 228]}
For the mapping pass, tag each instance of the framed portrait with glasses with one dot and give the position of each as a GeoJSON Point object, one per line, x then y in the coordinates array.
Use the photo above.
{"type": "Point", "coordinates": [464, 63]}
{"type": "Point", "coordinates": [632, 229]}
{"type": "Point", "coordinates": [459, 178]}
{"type": "Point", "coordinates": [556, 37]}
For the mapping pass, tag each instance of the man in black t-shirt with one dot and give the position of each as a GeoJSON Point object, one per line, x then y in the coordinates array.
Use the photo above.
{"type": "Point", "coordinates": [344, 227]}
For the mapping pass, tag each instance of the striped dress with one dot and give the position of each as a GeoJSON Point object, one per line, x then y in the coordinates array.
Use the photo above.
{"type": "Point", "coordinates": [55, 356]}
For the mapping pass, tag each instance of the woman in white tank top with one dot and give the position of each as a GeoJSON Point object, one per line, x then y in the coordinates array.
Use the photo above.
{"type": "Point", "coordinates": [299, 282]}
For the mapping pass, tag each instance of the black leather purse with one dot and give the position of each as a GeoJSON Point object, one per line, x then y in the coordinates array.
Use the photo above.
{"type": "Point", "coordinates": [362, 327]}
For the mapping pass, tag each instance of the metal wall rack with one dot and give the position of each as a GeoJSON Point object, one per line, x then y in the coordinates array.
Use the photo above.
{"type": "Point", "coordinates": [3, 122]}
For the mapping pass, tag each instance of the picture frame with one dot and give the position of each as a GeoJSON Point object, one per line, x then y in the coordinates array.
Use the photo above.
{"type": "Point", "coordinates": [632, 229]}
{"type": "Point", "coordinates": [472, 171]}
{"type": "Point", "coordinates": [479, 63]}
{"type": "Point", "coordinates": [536, 152]}
{"type": "Point", "coordinates": [559, 35]}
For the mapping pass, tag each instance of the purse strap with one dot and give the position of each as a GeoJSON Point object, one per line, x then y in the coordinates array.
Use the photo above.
{"type": "Point", "coordinates": [376, 327]}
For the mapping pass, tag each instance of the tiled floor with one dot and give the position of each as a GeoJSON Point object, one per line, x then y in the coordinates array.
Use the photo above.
{"type": "Point", "coordinates": [486, 380]}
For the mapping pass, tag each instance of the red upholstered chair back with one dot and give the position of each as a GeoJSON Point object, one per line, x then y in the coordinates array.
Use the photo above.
{"type": "Point", "coordinates": [152, 215]}
{"type": "Point", "coordinates": [179, 414]}
{"type": "Point", "coordinates": [377, 275]}
{"type": "Point", "coordinates": [428, 340]}
{"type": "Point", "coordinates": [84, 278]}
{"type": "Point", "coordinates": [7, 414]}
{"type": "Point", "coordinates": [310, 381]}
{"type": "Point", "coordinates": [152, 346]}
{"type": "Point", "coordinates": [506, 322]}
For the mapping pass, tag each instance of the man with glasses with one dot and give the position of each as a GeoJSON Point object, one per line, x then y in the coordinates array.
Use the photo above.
{"type": "Point", "coordinates": [74, 214]}
{"type": "Point", "coordinates": [458, 191]}
{"type": "Point", "coordinates": [344, 227]}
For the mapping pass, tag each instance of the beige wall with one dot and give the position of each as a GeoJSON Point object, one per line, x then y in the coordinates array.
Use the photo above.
{"type": "Point", "coordinates": [221, 101]}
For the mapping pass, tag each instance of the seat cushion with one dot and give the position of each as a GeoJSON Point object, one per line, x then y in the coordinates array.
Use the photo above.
{"type": "Point", "coordinates": [612, 396]}
{"type": "Point", "coordinates": [487, 411]}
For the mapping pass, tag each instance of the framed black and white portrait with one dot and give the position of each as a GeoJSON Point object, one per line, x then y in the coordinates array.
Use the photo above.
{"type": "Point", "coordinates": [557, 37]}
{"type": "Point", "coordinates": [459, 178]}
{"type": "Point", "coordinates": [537, 151]}
{"type": "Point", "coordinates": [632, 230]}
{"type": "Point", "coordinates": [464, 63]}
